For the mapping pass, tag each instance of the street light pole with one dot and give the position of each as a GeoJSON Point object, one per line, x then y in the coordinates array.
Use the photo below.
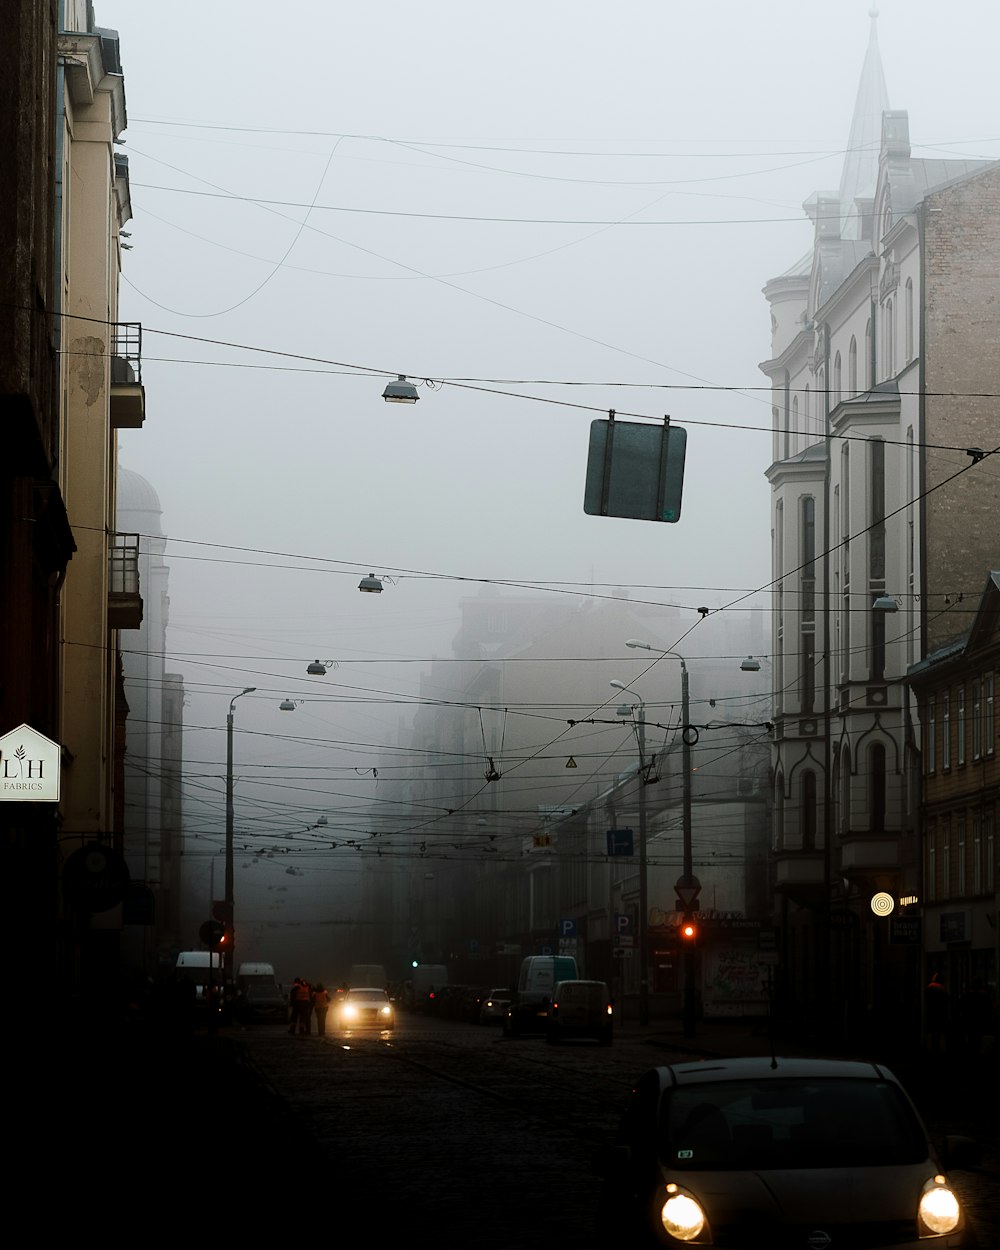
{"type": "Point", "coordinates": [687, 870]}
{"type": "Point", "coordinates": [690, 964]}
{"type": "Point", "coordinates": [230, 912]}
{"type": "Point", "coordinates": [640, 730]}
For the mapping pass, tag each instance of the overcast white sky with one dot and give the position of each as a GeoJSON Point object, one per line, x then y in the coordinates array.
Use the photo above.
{"type": "Point", "coordinates": [530, 192]}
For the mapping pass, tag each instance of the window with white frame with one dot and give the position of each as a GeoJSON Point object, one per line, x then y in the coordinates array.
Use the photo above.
{"type": "Point", "coordinates": [960, 882]}
{"type": "Point", "coordinates": [908, 319]}
{"type": "Point", "coordinates": [930, 762]}
{"type": "Point", "coordinates": [960, 725]}
{"type": "Point", "coordinates": [931, 868]}
{"type": "Point", "coordinates": [946, 857]}
{"type": "Point", "coordinates": [945, 731]}
{"type": "Point", "coordinates": [977, 728]}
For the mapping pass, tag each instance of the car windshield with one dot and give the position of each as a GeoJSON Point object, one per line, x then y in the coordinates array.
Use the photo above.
{"type": "Point", "coordinates": [823, 1123]}
{"type": "Point", "coordinates": [367, 996]}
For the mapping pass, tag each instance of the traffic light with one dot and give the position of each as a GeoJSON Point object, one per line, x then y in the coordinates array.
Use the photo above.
{"type": "Point", "coordinates": [215, 934]}
{"type": "Point", "coordinates": [689, 931]}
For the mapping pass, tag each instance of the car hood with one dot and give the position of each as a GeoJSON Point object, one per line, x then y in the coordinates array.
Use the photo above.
{"type": "Point", "coordinates": [834, 1195]}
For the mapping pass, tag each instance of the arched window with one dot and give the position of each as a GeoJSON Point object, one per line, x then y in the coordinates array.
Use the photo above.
{"type": "Point", "coordinates": [779, 811]}
{"type": "Point", "coordinates": [845, 793]}
{"type": "Point", "coordinates": [876, 786]}
{"type": "Point", "coordinates": [908, 319]}
{"type": "Point", "coordinates": [837, 388]}
{"type": "Point", "coordinates": [807, 815]}
{"type": "Point", "coordinates": [890, 341]}
{"type": "Point", "coordinates": [869, 371]}
{"type": "Point", "coordinates": [852, 367]}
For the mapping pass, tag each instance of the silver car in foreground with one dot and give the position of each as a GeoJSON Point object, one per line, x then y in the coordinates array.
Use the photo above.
{"type": "Point", "coordinates": [780, 1153]}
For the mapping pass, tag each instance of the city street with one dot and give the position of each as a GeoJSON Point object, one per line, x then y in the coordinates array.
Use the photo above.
{"type": "Point", "coordinates": [495, 1142]}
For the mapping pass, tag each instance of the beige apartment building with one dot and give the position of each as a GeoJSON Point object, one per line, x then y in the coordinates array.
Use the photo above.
{"type": "Point", "coordinates": [69, 379]}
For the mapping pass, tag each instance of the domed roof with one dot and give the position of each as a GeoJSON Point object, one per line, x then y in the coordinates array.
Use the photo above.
{"type": "Point", "coordinates": [135, 495]}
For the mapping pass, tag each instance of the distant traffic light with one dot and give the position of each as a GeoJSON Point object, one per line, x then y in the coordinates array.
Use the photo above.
{"type": "Point", "coordinates": [215, 934]}
{"type": "Point", "coordinates": [689, 931]}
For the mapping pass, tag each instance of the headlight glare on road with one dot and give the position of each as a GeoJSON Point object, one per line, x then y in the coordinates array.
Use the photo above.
{"type": "Point", "coordinates": [938, 1211]}
{"type": "Point", "coordinates": [681, 1216]}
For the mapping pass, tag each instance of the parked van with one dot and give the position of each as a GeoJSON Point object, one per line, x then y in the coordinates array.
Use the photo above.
{"type": "Point", "coordinates": [367, 976]}
{"type": "Point", "coordinates": [255, 974]}
{"type": "Point", "coordinates": [539, 975]}
{"type": "Point", "coordinates": [202, 968]}
{"type": "Point", "coordinates": [428, 982]}
{"type": "Point", "coordinates": [581, 1009]}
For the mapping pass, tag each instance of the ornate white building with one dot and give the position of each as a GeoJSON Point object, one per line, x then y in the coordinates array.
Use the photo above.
{"type": "Point", "coordinates": [884, 523]}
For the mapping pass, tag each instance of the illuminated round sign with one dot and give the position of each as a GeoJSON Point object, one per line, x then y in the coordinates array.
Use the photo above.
{"type": "Point", "coordinates": [883, 904]}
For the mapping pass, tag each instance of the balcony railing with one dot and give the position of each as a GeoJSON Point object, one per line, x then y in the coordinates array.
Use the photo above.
{"type": "Point", "coordinates": [128, 398]}
{"type": "Point", "coordinates": [124, 599]}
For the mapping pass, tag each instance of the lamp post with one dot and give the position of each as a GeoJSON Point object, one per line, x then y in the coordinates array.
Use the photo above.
{"type": "Point", "coordinates": [640, 732]}
{"type": "Point", "coordinates": [229, 830]}
{"type": "Point", "coordinates": [688, 880]}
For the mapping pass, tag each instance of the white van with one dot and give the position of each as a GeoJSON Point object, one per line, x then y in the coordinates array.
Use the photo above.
{"type": "Point", "coordinates": [581, 1009]}
{"type": "Point", "coordinates": [367, 976]}
{"type": "Point", "coordinates": [201, 968]}
{"type": "Point", "coordinates": [255, 974]}
{"type": "Point", "coordinates": [539, 975]}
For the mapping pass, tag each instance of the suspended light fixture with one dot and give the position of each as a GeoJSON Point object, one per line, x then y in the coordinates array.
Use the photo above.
{"type": "Point", "coordinates": [319, 668]}
{"type": "Point", "coordinates": [400, 391]}
{"type": "Point", "coordinates": [288, 705]}
{"type": "Point", "coordinates": [750, 665]}
{"type": "Point", "coordinates": [370, 585]}
{"type": "Point", "coordinates": [885, 603]}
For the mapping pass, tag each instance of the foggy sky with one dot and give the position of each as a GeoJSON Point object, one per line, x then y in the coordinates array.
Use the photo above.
{"type": "Point", "coordinates": [510, 161]}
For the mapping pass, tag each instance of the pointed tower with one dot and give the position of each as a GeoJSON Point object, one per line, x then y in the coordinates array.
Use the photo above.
{"type": "Point", "coordinates": [860, 172]}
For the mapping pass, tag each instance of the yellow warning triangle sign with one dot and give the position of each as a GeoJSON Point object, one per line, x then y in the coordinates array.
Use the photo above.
{"type": "Point", "coordinates": [571, 762]}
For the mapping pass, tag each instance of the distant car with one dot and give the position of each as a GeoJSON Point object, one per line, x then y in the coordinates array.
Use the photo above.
{"type": "Point", "coordinates": [780, 1153]}
{"type": "Point", "coordinates": [581, 1009]}
{"type": "Point", "coordinates": [364, 1009]}
{"type": "Point", "coordinates": [495, 1005]}
{"type": "Point", "coordinates": [263, 1002]}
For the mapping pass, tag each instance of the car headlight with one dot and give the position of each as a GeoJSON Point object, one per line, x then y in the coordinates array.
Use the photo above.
{"type": "Point", "coordinates": [349, 1011]}
{"type": "Point", "coordinates": [938, 1210]}
{"type": "Point", "coordinates": [387, 1011]}
{"type": "Point", "coordinates": [681, 1215]}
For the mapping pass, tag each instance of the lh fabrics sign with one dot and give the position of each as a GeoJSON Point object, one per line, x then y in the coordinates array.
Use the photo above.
{"type": "Point", "coordinates": [29, 767]}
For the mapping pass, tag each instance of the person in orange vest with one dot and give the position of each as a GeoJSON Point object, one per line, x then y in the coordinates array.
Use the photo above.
{"type": "Point", "coordinates": [301, 1005]}
{"type": "Point", "coordinates": [321, 1003]}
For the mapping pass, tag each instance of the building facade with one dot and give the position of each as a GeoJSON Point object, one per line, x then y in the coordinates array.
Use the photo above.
{"type": "Point", "coordinates": [881, 527]}
{"type": "Point", "coordinates": [956, 688]}
{"type": "Point", "coordinates": [70, 380]}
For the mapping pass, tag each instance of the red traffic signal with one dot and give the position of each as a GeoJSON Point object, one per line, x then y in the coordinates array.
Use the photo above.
{"type": "Point", "coordinates": [214, 934]}
{"type": "Point", "coordinates": [689, 931]}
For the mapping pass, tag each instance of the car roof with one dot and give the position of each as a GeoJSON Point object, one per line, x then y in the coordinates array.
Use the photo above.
{"type": "Point", "coordinates": [762, 1068]}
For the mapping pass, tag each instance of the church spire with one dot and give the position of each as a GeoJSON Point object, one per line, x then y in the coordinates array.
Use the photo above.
{"type": "Point", "coordinates": [860, 171]}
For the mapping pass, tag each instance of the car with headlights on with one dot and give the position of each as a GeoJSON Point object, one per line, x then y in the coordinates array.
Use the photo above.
{"type": "Point", "coordinates": [364, 1008]}
{"type": "Point", "coordinates": [780, 1153]}
{"type": "Point", "coordinates": [495, 1005]}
